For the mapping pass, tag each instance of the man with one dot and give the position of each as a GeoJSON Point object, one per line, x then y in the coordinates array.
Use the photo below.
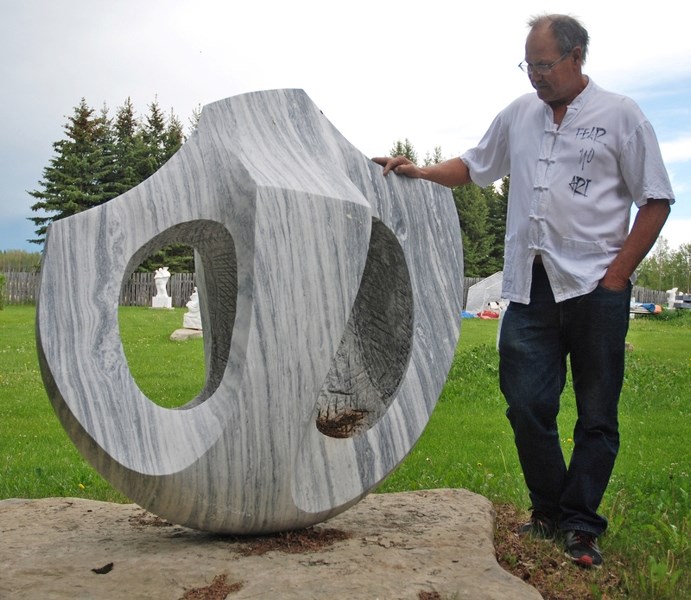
{"type": "Point", "coordinates": [578, 157]}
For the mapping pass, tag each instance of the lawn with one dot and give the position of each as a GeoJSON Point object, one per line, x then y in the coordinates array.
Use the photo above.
{"type": "Point", "coordinates": [467, 443]}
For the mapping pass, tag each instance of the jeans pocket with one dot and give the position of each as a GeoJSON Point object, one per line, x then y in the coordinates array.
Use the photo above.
{"type": "Point", "coordinates": [610, 300]}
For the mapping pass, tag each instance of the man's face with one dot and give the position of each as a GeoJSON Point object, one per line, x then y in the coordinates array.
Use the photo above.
{"type": "Point", "coordinates": [564, 80]}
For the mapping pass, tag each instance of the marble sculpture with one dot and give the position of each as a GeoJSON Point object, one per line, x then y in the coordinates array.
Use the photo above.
{"type": "Point", "coordinates": [331, 299]}
{"type": "Point", "coordinates": [192, 319]}
{"type": "Point", "coordinates": [161, 299]}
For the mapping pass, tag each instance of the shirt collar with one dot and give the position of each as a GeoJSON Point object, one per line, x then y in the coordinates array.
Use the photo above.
{"type": "Point", "coordinates": [582, 98]}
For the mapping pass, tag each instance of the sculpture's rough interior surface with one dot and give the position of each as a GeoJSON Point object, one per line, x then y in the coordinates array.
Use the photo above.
{"type": "Point", "coordinates": [331, 302]}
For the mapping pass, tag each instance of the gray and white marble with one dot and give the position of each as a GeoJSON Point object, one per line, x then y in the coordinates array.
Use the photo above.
{"type": "Point", "coordinates": [331, 300]}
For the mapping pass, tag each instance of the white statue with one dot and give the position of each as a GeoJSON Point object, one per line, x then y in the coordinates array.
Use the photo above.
{"type": "Point", "coordinates": [671, 297]}
{"type": "Point", "coordinates": [161, 278]}
{"type": "Point", "coordinates": [162, 299]}
{"type": "Point", "coordinates": [192, 318]}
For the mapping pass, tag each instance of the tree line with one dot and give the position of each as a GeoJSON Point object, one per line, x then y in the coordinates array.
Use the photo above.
{"type": "Point", "coordinates": [20, 261]}
{"type": "Point", "coordinates": [665, 269]}
{"type": "Point", "coordinates": [100, 158]}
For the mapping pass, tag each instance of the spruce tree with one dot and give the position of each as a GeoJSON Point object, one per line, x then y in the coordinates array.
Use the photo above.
{"type": "Point", "coordinates": [404, 149]}
{"type": "Point", "coordinates": [194, 119]}
{"type": "Point", "coordinates": [435, 158]}
{"type": "Point", "coordinates": [154, 137]}
{"type": "Point", "coordinates": [173, 138]}
{"type": "Point", "coordinates": [497, 203]}
{"type": "Point", "coordinates": [130, 150]}
{"type": "Point", "coordinates": [74, 179]}
{"type": "Point", "coordinates": [101, 158]}
{"type": "Point", "coordinates": [471, 205]}
{"type": "Point", "coordinates": [162, 138]}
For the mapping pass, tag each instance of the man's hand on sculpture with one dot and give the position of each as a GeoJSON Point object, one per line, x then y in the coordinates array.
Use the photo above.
{"type": "Point", "coordinates": [399, 165]}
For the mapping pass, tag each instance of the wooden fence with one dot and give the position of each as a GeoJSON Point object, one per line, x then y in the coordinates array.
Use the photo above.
{"type": "Point", "coordinates": [644, 295]}
{"type": "Point", "coordinates": [20, 288]}
{"type": "Point", "coordinates": [141, 287]}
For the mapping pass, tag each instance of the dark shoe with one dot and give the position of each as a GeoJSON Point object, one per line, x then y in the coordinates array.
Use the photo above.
{"type": "Point", "coordinates": [582, 548]}
{"type": "Point", "coordinates": [539, 526]}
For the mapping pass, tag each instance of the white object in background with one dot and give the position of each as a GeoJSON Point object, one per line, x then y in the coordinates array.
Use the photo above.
{"type": "Point", "coordinates": [192, 318]}
{"type": "Point", "coordinates": [162, 299]}
{"type": "Point", "coordinates": [671, 298]}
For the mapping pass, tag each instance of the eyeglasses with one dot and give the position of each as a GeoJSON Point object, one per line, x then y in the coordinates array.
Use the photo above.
{"type": "Point", "coordinates": [526, 67]}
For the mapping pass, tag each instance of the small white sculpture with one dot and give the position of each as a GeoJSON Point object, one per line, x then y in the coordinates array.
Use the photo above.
{"type": "Point", "coordinates": [671, 297]}
{"type": "Point", "coordinates": [162, 299]}
{"type": "Point", "coordinates": [192, 318]}
{"type": "Point", "coordinates": [161, 278]}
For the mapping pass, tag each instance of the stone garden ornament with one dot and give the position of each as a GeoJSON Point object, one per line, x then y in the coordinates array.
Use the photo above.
{"type": "Point", "coordinates": [192, 319]}
{"type": "Point", "coordinates": [331, 300]}
{"type": "Point", "coordinates": [162, 299]}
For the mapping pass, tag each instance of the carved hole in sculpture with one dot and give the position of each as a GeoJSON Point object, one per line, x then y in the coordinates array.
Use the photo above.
{"type": "Point", "coordinates": [216, 279]}
{"type": "Point", "coordinates": [374, 352]}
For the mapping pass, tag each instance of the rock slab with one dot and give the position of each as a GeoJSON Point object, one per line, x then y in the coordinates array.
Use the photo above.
{"type": "Point", "coordinates": [424, 544]}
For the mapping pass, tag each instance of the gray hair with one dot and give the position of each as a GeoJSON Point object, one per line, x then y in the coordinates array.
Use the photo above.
{"type": "Point", "coordinates": [567, 30]}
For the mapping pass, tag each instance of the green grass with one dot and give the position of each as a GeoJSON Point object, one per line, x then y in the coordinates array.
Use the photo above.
{"type": "Point", "coordinates": [169, 373]}
{"type": "Point", "coordinates": [467, 443]}
{"type": "Point", "coordinates": [37, 459]}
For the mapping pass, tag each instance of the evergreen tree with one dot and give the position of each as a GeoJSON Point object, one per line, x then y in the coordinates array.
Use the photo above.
{"type": "Point", "coordinates": [179, 258]}
{"type": "Point", "coordinates": [74, 179]}
{"type": "Point", "coordinates": [435, 158]}
{"type": "Point", "coordinates": [109, 184]}
{"type": "Point", "coordinates": [497, 203]}
{"type": "Point", "coordinates": [162, 139]}
{"type": "Point", "coordinates": [173, 138]}
{"type": "Point", "coordinates": [154, 138]}
{"type": "Point", "coordinates": [130, 150]}
{"type": "Point", "coordinates": [404, 149]}
{"type": "Point", "coordinates": [101, 158]}
{"type": "Point", "coordinates": [471, 205]}
{"type": "Point", "coordinates": [194, 119]}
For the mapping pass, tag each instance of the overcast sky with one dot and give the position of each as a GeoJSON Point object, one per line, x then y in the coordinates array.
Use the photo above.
{"type": "Point", "coordinates": [379, 71]}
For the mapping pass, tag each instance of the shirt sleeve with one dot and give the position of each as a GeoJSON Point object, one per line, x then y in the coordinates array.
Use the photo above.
{"type": "Point", "coordinates": [489, 160]}
{"type": "Point", "coordinates": [643, 169]}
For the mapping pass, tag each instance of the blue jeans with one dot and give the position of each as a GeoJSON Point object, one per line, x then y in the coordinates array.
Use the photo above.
{"type": "Point", "coordinates": [534, 343]}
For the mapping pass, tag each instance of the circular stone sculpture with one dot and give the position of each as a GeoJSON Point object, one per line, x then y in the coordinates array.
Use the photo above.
{"type": "Point", "coordinates": [331, 300]}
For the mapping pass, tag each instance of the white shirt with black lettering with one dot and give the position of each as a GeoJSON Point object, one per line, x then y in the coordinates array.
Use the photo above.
{"type": "Point", "coordinates": [571, 187]}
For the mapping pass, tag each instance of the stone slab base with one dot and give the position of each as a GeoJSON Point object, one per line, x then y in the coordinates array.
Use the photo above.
{"type": "Point", "coordinates": [183, 334]}
{"type": "Point", "coordinates": [404, 545]}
